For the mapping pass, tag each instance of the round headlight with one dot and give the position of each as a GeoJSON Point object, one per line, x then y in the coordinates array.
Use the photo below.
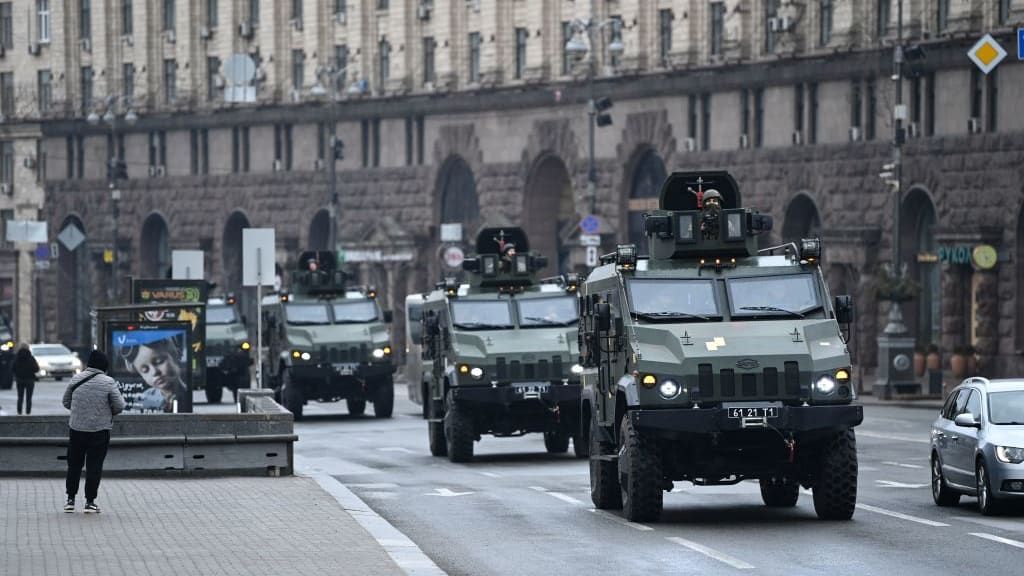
{"type": "Point", "coordinates": [246, 346]}
{"type": "Point", "coordinates": [477, 373]}
{"type": "Point", "coordinates": [668, 389]}
{"type": "Point", "coordinates": [296, 353]}
{"type": "Point", "coordinates": [305, 356]}
{"type": "Point", "coordinates": [387, 350]}
{"type": "Point", "coordinates": [378, 353]}
{"type": "Point", "coordinates": [576, 369]}
{"type": "Point", "coordinates": [648, 381]}
{"type": "Point", "coordinates": [825, 385]}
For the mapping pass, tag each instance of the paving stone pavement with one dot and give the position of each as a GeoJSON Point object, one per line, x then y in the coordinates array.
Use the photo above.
{"type": "Point", "coordinates": [215, 526]}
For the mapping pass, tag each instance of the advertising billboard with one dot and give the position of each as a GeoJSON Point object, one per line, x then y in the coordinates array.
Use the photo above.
{"type": "Point", "coordinates": [162, 291]}
{"type": "Point", "coordinates": [150, 362]}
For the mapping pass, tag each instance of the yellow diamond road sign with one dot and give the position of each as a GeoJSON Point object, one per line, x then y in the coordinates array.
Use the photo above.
{"type": "Point", "coordinates": [986, 53]}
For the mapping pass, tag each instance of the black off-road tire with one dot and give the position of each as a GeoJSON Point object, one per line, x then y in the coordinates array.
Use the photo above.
{"type": "Point", "coordinates": [604, 474]}
{"type": "Point", "coordinates": [292, 395]}
{"type": "Point", "coordinates": [214, 393]}
{"type": "Point", "coordinates": [640, 475]}
{"type": "Point", "coordinates": [356, 406]}
{"type": "Point", "coordinates": [835, 486]}
{"type": "Point", "coordinates": [779, 492]}
{"type": "Point", "coordinates": [458, 432]}
{"type": "Point", "coordinates": [425, 397]}
{"type": "Point", "coordinates": [942, 494]}
{"type": "Point", "coordinates": [435, 432]}
{"type": "Point", "coordinates": [556, 442]}
{"type": "Point", "coordinates": [384, 398]}
{"type": "Point", "coordinates": [581, 446]}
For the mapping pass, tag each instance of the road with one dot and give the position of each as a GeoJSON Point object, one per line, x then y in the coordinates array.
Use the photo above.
{"type": "Point", "coordinates": [518, 511]}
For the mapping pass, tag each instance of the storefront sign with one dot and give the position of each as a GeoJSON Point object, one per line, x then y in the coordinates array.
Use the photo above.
{"type": "Point", "coordinates": [955, 254]}
{"type": "Point", "coordinates": [981, 256]}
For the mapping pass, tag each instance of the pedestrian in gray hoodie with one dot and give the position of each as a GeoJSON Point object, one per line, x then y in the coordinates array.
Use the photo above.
{"type": "Point", "coordinates": [94, 399]}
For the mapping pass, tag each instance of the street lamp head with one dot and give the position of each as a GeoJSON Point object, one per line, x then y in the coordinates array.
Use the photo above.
{"type": "Point", "coordinates": [356, 88]}
{"type": "Point", "coordinates": [131, 117]}
{"type": "Point", "coordinates": [616, 48]}
{"type": "Point", "coordinates": [318, 90]}
{"type": "Point", "coordinates": [93, 118]}
{"type": "Point", "coordinates": [576, 46]}
{"type": "Point", "coordinates": [108, 116]}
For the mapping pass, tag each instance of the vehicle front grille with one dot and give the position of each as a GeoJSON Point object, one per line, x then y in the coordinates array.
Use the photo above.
{"type": "Point", "coordinates": [337, 354]}
{"type": "Point", "coordinates": [750, 385]}
{"type": "Point", "coordinates": [542, 369]}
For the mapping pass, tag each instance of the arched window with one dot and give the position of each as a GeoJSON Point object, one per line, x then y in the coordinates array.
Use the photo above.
{"type": "Point", "coordinates": [548, 211]}
{"type": "Point", "coordinates": [645, 185]}
{"type": "Point", "coordinates": [801, 220]}
{"type": "Point", "coordinates": [459, 202]}
{"type": "Point", "coordinates": [154, 250]}
{"type": "Point", "coordinates": [320, 231]}
{"type": "Point", "coordinates": [917, 223]}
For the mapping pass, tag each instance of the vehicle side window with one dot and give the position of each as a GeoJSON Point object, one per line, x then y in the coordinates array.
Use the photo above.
{"type": "Point", "coordinates": [974, 405]}
{"type": "Point", "coordinates": [961, 402]}
{"type": "Point", "coordinates": [956, 403]}
{"type": "Point", "coordinates": [947, 409]}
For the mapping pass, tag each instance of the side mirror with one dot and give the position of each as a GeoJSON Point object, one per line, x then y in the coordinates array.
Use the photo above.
{"type": "Point", "coordinates": [603, 312]}
{"type": "Point", "coordinates": [966, 420]}
{"type": "Point", "coordinates": [844, 309]}
{"type": "Point", "coordinates": [618, 326]}
{"type": "Point", "coordinates": [388, 316]}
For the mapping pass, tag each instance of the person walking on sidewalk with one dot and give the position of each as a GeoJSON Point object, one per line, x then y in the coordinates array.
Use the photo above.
{"type": "Point", "coordinates": [25, 368]}
{"type": "Point", "coordinates": [94, 400]}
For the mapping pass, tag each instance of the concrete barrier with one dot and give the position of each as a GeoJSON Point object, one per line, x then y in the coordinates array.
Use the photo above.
{"type": "Point", "coordinates": [257, 441]}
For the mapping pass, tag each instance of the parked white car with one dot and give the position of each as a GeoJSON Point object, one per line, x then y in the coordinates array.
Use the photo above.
{"type": "Point", "coordinates": [55, 361]}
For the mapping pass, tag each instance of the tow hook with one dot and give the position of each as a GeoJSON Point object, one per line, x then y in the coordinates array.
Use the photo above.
{"type": "Point", "coordinates": [754, 422]}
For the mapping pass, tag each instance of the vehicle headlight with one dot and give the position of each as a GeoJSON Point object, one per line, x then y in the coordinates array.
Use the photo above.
{"type": "Point", "coordinates": [298, 354]}
{"type": "Point", "coordinates": [378, 353]}
{"type": "Point", "coordinates": [1009, 454]}
{"type": "Point", "coordinates": [669, 389]}
{"type": "Point", "coordinates": [387, 350]}
{"type": "Point", "coordinates": [42, 372]}
{"type": "Point", "coordinates": [245, 346]}
{"type": "Point", "coordinates": [576, 369]}
{"type": "Point", "coordinates": [648, 380]}
{"type": "Point", "coordinates": [825, 385]}
{"type": "Point", "coordinates": [476, 372]}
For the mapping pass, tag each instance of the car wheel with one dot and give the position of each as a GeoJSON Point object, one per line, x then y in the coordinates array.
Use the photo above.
{"type": "Point", "coordinates": [942, 494]}
{"type": "Point", "coordinates": [384, 398]}
{"type": "Point", "coordinates": [986, 503]}
{"type": "Point", "coordinates": [835, 485]}
{"type": "Point", "coordinates": [458, 431]}
{"type": "Point", "coordinates": [640, 475]}
{"type": "Point", "coordinates": [214, 393]}
{"type": "Point", "coordinates": [292, 395]}
{"type": "Point", "coordinates": [779, 492]}
{"type": "Point", "coordinates": [356, 406]}
{"type": "Point", "coordinates": [604, 472]}
{"type": "Point", "coordinates": [556, 442]}
{"type": "Point", "coordinates": [435, 431]}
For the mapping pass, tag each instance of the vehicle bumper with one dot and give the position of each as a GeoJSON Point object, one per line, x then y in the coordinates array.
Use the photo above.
{"type": "Point", "coordinates": [507, 394]}
{"type": "Point", "coordinates": [713, 420]}
{"type": "Point", "coordinates": [348, 371]}
{"type": "Point", "coordinates": [1006, 480]}
{"type": "Point", "coordinates": [58, 373]}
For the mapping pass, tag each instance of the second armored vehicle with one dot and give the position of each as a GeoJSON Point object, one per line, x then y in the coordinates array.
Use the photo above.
{"type": "Point", "coordinates": [498, 352]}
{"type": "Point", "coordinates": [328, 341]}
{"type": "Point", "coordinates": [228, 350]}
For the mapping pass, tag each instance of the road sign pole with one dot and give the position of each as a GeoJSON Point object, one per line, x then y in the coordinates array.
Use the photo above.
{"type": "Point", "coordinates": [259, 320]}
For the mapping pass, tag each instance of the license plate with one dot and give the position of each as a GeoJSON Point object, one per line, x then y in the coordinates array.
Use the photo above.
{"type": "Point", "coordinates": [530, 390]}
{"type": "Point", "coordinates": [754, 412]}
{"type": "Point", "coordinates": [345, 369]}
{"type": "Point", "coordinates": [213, 361]}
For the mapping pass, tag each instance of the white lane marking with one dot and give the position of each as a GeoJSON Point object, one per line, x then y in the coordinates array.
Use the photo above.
{"type": "Point", "coordinates": [806, 491]}
{"type": "Point", "coordinates": [1000, 539]}
{"type": "Point", "coordinates": [881, 436]}
{"type": "Point", "coordinates": [559, 495]}
{"type": "Point", "coordinates": [711, 553]}
{"type": "Point", "coordinates": [902, 516]}
{"type": "Point", "coordinates": [396, 449]}
{"type": "Point", "coordinates": [403, 551]}
{"type": "Point", "coordinates": [902, 465]}
{"type": "Point", "coordinates": [623, 521]}
{"type": "Point", "coordinates": [891, 484]}
{"type": "Point", "coordinates": [447, 493]}
{"type": "Point", "coordinates": [867, 468]}
{"type": "Point", "coordinates": [491, 474]}
{"type": "Point", "coordinates": [378, 486]}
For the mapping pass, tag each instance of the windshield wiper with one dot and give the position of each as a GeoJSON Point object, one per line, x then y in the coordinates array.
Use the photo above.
{"type": "Point", "coordinates": [772, 309]}
{"type": "Point", "coordinates": [672, 314]}
{"type": "Point", "coordinates": [547, 322]}
{"type": "Point", "coordinates": [480, 325]}
{"type": "Point", "coordinates": [349, 321]}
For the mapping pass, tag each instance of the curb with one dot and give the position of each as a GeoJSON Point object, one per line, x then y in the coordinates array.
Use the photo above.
{"type": "Point", "coordinates": [405, 553]}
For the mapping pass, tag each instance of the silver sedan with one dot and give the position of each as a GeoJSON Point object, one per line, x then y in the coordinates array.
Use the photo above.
{"type": "Point", "coordinates": [977, 444]}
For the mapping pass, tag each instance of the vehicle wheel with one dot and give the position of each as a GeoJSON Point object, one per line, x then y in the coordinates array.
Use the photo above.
{"type": "Point", "coordinates": [835, 488]}
{"type": "Point", "coordinates": [425, 397]}
{"type": "Point", "coordinates": [988, 505]}
{"type": "Point", "coordinates": [435, 432]}
{"type": "Point", "coordinates": [458, 432]}
{"type": "Point", "coordinates": [356, 406]}
{"type": "Point", "coordinates": [941, 493]}
{"type": "Point", "coordinates": [556, 442]}
{"type": "Point", "coordinates": [640, 476]}
{"type": "Point", "coordinates": [779, 492]}
{"type": "Point", "coordinates": [384, 399]}
{"type": "Point", "coordinates": [291, 394]}
{"type": "Point", "coordinates": [214, 392]}
{"type": "Point", "coordinates": [604, 474]}
{"type": "Point", "coordinates": [580, 446]}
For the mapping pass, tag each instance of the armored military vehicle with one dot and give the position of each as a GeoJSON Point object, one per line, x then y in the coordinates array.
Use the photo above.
{"type": "Point", "coordinates": [713, 361]}
{"type": "Point", "coordinates": [499, 352]}
{"type": "Point", "coordinates": [228, 349]}
{"type": "Point", "coordinates": [328, 340]}
{"type": "Point", "coordinates": [416, 372]}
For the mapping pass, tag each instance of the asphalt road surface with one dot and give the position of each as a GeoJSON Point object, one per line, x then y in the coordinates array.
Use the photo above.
{"type": "Point", "coordinates": [519, 511]}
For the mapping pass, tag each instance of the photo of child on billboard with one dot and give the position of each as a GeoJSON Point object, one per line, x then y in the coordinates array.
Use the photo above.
{"type": "Point", "coordinates": [151, 366]}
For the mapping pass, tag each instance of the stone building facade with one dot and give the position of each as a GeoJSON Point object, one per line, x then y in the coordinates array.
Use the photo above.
{"type": "Point", "coordinates": [472, 111]}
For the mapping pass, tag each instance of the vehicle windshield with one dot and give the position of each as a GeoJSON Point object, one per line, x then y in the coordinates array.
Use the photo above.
{"type": "Point", "coordinates": [485, 314]}
{"type": "Point", "coordinates": [50, 350]}
{"type": "Point", "coordinates": [786, 296]}
{"type": "Point", "coordinates": [356, 311]}
{"type": "Point", "coordinates": [673, 299]}
{"type": "Point", "coordinates": [306, 314]}
{"type": "Point", "coordinates": [221, 315]}
{"type": "Point", "coordinates": [560, 311]}
{"type": "Point", "coordinates": [1006, 407]}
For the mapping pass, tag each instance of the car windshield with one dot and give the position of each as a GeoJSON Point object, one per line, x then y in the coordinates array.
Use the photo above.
{"type": "Point", "coordinates": [221, 315]}
{"type": "Point", "coordinates": [560, 311]}
{"type": "Point", "coordinates": [305, 314]}
{"type": "Point", "coordinates": [481, 314]}
{"type": "Point", "coordinates": [50, 350]}
{"type": "Point", "coordinates": [357, 311]}
{"type": "Point", "coordinates": [787, 296]}
{"type": "Point", "coordinates": [673, 299]}
{"type": "Point", "coordinates": [1006, 407]}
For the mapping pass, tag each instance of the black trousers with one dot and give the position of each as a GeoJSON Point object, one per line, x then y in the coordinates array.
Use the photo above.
{"type": "Point", "coordinates": [89, 449]}
{"type": "Point", "coordinates": [25, 389]}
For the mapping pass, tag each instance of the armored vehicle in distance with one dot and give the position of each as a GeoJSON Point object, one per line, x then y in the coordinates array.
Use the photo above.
{"type": "Point", "coordinates": [712, 361]}
{"type": "Point", "coordinates": [498, 351]}
{"type": "Point", "coordinates": [328, 341]}
{"type": "Point", "coordinates": [228, 350]}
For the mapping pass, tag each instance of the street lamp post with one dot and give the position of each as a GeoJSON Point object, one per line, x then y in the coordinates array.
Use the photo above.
{"type": "Point", "coordinates": [116, 167]}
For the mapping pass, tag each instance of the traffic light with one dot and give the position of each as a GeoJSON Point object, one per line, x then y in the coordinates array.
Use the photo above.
{"type": "Point", "coordinates": [117, 170]}
{"type": "Point", "coordinates": [601, 105]}
{"type": "Point", "coordinates": [338, 148]}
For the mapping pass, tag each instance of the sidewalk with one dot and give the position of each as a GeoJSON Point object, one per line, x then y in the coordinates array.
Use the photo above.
{"type": "Point", "coordinates": [215, 526]}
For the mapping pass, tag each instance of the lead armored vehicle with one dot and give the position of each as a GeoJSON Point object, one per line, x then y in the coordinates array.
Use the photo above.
{"type": "Point", "coordinates": [328, 341]}
{"type": "Point", "coordinates": [712, 361]}
{"type": "Point", "coordinates": [228, 350]}
{"type": "Point", "coordinates": [498, 351]}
